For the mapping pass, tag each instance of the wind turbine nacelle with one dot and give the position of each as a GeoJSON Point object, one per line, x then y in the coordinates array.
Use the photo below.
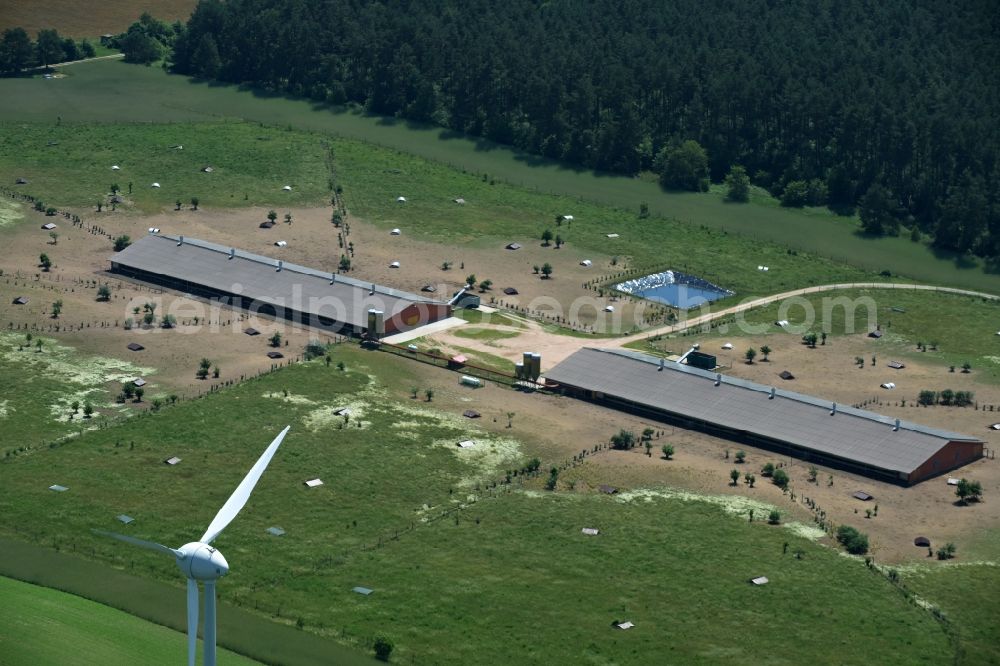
{"type": "Point", "coordinates": [202, 562]}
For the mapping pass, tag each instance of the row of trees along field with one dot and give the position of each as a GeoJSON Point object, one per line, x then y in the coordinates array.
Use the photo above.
{"type": "Point", "coordinates": [892, 106]}
{"type": "Point", "coordinates": [18, 52]}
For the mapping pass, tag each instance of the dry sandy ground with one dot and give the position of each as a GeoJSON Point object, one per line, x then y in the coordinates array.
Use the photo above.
{"type": "Point", "coordinates": [559, 427]}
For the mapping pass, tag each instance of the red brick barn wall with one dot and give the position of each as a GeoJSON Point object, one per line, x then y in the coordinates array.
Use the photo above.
{"type": "Point", "coordinates": [416, 314]}
{"type": "Point", "coordinates": [952, 455]}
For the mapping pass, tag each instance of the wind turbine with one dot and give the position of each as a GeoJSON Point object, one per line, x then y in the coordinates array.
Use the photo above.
{"type": "Point", "coordinates": [199, 561]}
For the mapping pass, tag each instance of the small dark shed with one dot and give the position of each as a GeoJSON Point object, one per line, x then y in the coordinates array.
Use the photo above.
{"type": "Point", "coordinates": [135, 346]}
{"type": "Point", "coordinates": [266, 225]}
{"type": "Point", "coordinates": [21, 300]}
{"type": "Point", "coordinates": [429, 288]}
{"type": "Point", "coordinates": [786, 375]}
{"type": "Point", "coordinates": [251, 331]}
{"type": "Point", "coordinates": [513, 246]}
{"type": "Point", "coordinates": [922, 542]}
{"type": "Point", "coordinates": [896, 365]}
{"type": "Point", "coordinates": [862, 495]}
{"type": "Point", "coordinates": [275, 355]}
{"type": "Point", "coordinates": [471, 414]}
{"type": "Point", "coordinates": [21, 181]}
{"type": "Point", "coordinates": [875, 334]}
{"type": "Point", "coordinates": [608, 490]}
{"type": "Point", "coordinates": [510, 291]}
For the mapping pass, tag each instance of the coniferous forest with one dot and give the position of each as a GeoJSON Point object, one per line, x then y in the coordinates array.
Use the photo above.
{"type": "Point", "coordinates": [887, 108]}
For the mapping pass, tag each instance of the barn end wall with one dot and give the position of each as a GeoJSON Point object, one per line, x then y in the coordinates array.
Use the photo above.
{"type": "Point", "coordinates": [951, 456]}
{"type": "Point", "coordinates": [416, 314]}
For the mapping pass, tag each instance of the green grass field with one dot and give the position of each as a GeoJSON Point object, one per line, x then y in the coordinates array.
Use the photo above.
{"type": "Point", "coordinates": [46, 627]}
{"type": "Point", "coordinates": [465, 588]}
{"type": "Point", "coordinates": [117, 92]}
{"type": "Point", "coordinates": [70, 165]}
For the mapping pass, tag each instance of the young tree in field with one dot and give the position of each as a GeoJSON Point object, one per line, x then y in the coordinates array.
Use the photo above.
{"type": "Point", "coordinates": [927, 398]}
{"type": "Point", "coordinates": [88, 410]}
{"type": "Point", "coordinates": [969, 491]}
{"type": "Point", "coordinates": [128, 390]}
{"type": "Point", "coordinates": [470, 281]}
{"type": "Point", "coordinates": [216, 372]}
{"type": "Point", "coordinates": [647, 434]}
{"type": "Point", "coordinates": [553, 479]}
{"type": "Point", "coordinates": [288, 218]}
{"type": "Point", "coordinates": [559, 241]}
{"type": "Point", "coordinates": [649, 449]}
{"type": "Point", "coordinates": [168, 321]}
{"type": "Point", "coordinates": [383, 648]}
{"type": "Point", "coordinates": [765, 351]}
{"type": "Point", "coordinates": [76, 406]}
{"type": "Point", "coordinates": [855, 542]}
{"type": "Point", "coordinates": [623, 440]}
{"type": "Point", "coordinates": [44, 262]}
{"type": "Point", "coordinates": [546, 270]}
{"type": "Point", "coordinates": [87, 49]}
{"type": "Point", "coordinates": [946, 552]}
{"type": "Point", "coordinates": [485, 285]}
{"type": "Point", "coordinates": [535, 269]}
{"type": "Point", "coordinates": [55, 237]}
{"type": "Point", "coordinates": [735, 476]}
{"type": "Point", "coordinates": [813, 473]}
{"type": "Point", "coordinates": [272, 216]}
{"type": "Point", "coordinates": [741, 456]}
{"type": "Point", "coordinates": [122, 242]}
{"type": "Point", "coordinates": [966, 367]}
{"type": "Point", "coordinates": [445, 265]}
{"type": "Point", "coordinates": [750, 355]}
{"type": "Point", "coordinates": [149, 318]}
{"type": "Point", "coordinates": [429, 394]}
{"type": "Point", "coordinates": [178, 204]}
{"type": "Point", "coordinates": [510, 419]}
{"type": "Point", "coordinates": [414, 390]}
{"type": "Point", "coordinates": [194, 203]}
{"type": "Point", "coordinates": [767, 470]}
{"type": "Point", "coordinates": [668, 451]}
{"type": "Point", "coordinates": [275, 339]}
{"type": "Point", "coordinates": [822, 337]}
{"type": "Point", "coordinates": [547, 237]}
{"type": "Point", "coordinates": [810, 339]}
{"type": "Point", "coordinates": [774, 517]}
{"type": "Point", "coordinates": [752, 480]}
{"type": "Point", "coordinates": [38, 346]}
{"type": "Point", "coordinates": [139, 392]}
{"type": "Point", "coordinates": [104, 293]}
{"type": "Point", "coordinates": [345, 263]}
{"type": "Point", "coordinates": [738, 185]}
{"type": "Point", "coordinates": [203, 368]}
{"type": "Point", "coordinates": [780, 478]}
{"type": "Point", "coordinates": [56, 309]}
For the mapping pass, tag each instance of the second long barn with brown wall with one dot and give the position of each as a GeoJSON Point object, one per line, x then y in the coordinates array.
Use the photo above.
{"type": "Point", "coordinates": [272, 287]}
{"type": "Point", "coordinates": [791, 423]}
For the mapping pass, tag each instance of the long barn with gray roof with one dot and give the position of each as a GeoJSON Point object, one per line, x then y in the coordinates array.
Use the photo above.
{"type": "Point", "coordinates": [272, 287]}
{"type": "Point", "coordinates": [806, 427]}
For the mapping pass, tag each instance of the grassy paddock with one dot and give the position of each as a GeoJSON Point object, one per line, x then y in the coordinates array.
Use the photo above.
{"type": "Point", "coordinates": [463, 588]}
{"type": "Point", "coordinates": [69, 165]}
{"type": "Point", "coordinates": [43, 626]}
{"type": "Point", "coordinates": [117, 92]}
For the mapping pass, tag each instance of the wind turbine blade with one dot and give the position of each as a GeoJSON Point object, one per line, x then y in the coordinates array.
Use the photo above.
{"type": "Point", "coordinates": [240, 496]}
{"type": "Point", "coordinates": [149, 545]}
{"type": "Point", "coordinates": [209, 623]}
{"type": "Point", "coordinates": [192, 620]}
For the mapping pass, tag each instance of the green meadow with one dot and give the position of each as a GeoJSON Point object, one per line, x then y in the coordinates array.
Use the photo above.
{"type": "Point", "coordinates": [46, 627]}
{"type": "Point", "coordinates": [69, 165]}
{"type": "Point", "coordinates": [461, 575]}
{"type": "Point", "coordinates": [112, 91]}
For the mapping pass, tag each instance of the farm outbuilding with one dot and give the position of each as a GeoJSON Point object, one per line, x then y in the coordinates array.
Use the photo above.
{"type": "Point", "coordinates": [810, 428]}
{"type": "Point", "coordinates": [272, 287]}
